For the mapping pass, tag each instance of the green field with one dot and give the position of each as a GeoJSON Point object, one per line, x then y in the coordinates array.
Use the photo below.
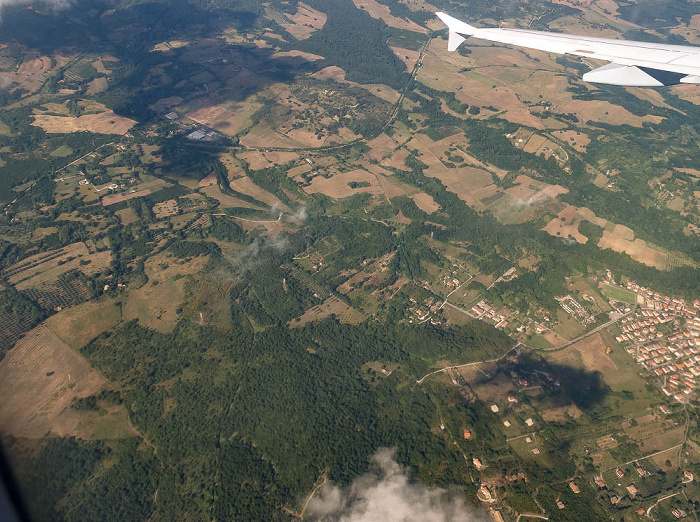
{"type": "Point", "coordinates": [62, 152]}
{"type": "Point", "coordinates": [619, 294]}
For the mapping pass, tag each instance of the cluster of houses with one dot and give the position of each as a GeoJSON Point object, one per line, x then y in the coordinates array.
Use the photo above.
{"type": "Point", "coordinates": [485, 312]}
{"type": "Point", "coordinates": [674, 358]}
{"type": "Point", "coordinates": [658, 301]}
{"type": "Point", "coordinates": [508, 275]}
{"type": "Point", "coordinates": [572, 307]}
{"type": "Point", "coordinates": [642, 327]}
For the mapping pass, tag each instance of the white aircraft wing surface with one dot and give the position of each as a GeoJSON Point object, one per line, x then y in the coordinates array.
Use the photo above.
{"type": "Point", "coordinates": [640, 64]}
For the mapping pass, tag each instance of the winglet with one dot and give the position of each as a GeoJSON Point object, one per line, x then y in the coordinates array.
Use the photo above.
{"type": "Point", "coordinates": [457, 28]}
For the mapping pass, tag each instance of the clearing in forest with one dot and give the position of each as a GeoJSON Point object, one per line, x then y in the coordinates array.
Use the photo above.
{"type": "Point", "coordinates": [305, 21]}
{"type": "Point", "coordinates": [331, 306]}
{"type": "Point", "coordinates": [39, 378]}
{"type": "Point", "coordinates": [382, 12]}
{"type": "Point", "coordinates": [80, 324]}
{"type": "Point", "coordinates": [155, 303]}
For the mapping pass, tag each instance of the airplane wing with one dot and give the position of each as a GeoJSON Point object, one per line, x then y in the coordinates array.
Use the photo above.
{"type": "Point", "coordinates": [633, 64]}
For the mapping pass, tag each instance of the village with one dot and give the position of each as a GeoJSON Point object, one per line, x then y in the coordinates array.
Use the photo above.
{"type": "Point", "coordinates": [663, 336]}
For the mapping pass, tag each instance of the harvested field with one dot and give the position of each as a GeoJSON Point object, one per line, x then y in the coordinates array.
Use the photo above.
{"type": "Point", "coordinates": [97, 85]}
{"type": "Point", "coordinates": [280, 157]}
{"type": "Point", "coordinates": [208, 180]}
{"type": "Point", "coordinates": [491, 80]}
{"type": "Point", "coordinates": [306, 138]}
{"type": "Point", "coordinates": [338, 185]}
{"type": "Point", "coordinates": [80, 324]}
{"type": "Point", "coordinates": [382, 91]}
{"type": "Point", "coordinates": [532, 192]}
{"type": "Point", "coordinates": [397, 160]}
{"type": "Point", "coordinates": [272, 227]}
{"type": "Point", "coordinates": [127, 216]}
{"type": "Point", "coordinates": [593, 356]}
{"type": "Point", "coordinates": [296, 172]}
{"type": "Point", "coordinates": [495, 390]}
{"type": "Point", "coordinates": [534, 144]}
{"type": "Point", "coordinates": [47, 266]}
{"type": "Point", "coordinates": [561, 414]}
{"type": "Point", "coordinates": [410, 58]}
{"type": "Point", "coordinates": [30, 74]}
{"type": "Point", "coordinates": [389, 188]}
{"type": "Point", "coordinates": [293, 56]}
{"type": "Point", "coordinates": [220, 114]}
{"type": "Point", "coordinates": [382, 146]}
{"type": "Point", "coordinates": [263, 136]}
{"type": "Point", "coordinates": [166, 103]}
{"type": "Point", "coordinates": [331, 306]}
{"type": "Point", "coordinates": [331, 72]}
{"type": "Point", "coordinates": [470, 183]}
{"type": "Point", "coordinates": [575, 139]}
{"type": "Point", "coordinates": [566, 229]}
{"type": "Point", "coordinates": [244, 185]}
{"type": "Point", "coordinates": [226, 201]}
{"type": "Point", "coordinates": [255, 159]}
{"type": "Point", "coordinates": [382, 12]}
{"type": "Point", "coordinates": [425, 202]}
{"type": "Point", "coordinates": [118, 198]}
{"type": "Point", "coordinates": [553, 338]}
{"type": "Point", "coordinates": [638, 250]}
{"type": "Point", "coordinates": [39, 378]}
{"type": "Point", "coordinates": [305, 22]}
{"type": "Point", "coordinates": [155, 303]}
{"type": "Point", "coordinates": [624, 232]}
{"type": "Point", "coordinates": [568, 220]}
{"type": "Point", "coordinates": [106, 122]}
{"type": "Point", "coordinates": [166, 208]}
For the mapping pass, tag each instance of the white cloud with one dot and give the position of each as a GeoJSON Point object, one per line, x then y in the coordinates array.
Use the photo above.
{"type": "Point", "coordinates": [387, 494]}
{"type": "Point", "coordinates": [56, 5]}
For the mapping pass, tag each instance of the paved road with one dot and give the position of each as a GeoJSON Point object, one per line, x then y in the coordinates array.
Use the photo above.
{"type": "Point", "coordinates": [590, 332]}
{"type": "Point", "coordinates": [419, 381]}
